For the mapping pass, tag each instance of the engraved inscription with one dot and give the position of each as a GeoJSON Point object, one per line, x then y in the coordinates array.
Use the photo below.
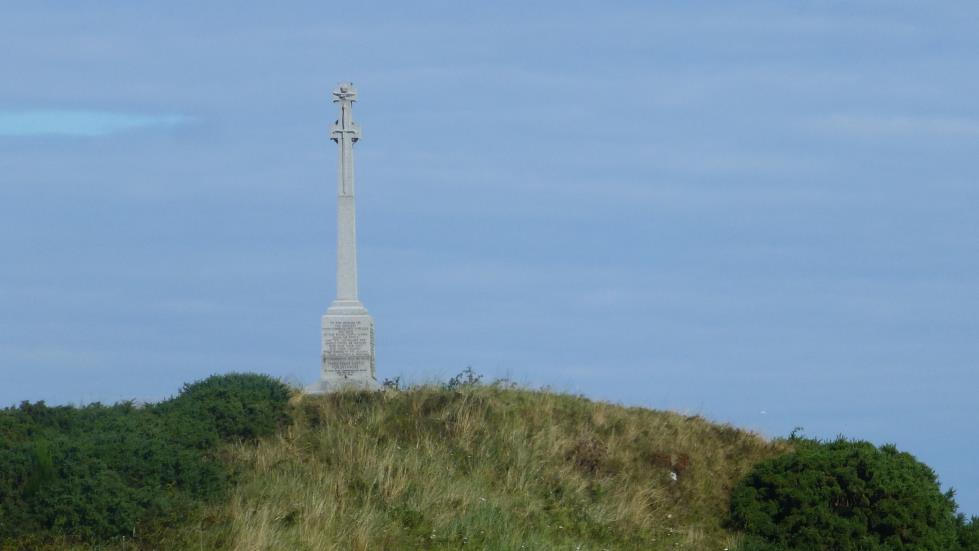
{"type": "Point", "coordinates": [348, 347]}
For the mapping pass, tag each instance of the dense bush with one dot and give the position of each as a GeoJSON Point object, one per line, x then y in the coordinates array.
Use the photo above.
{"type": "Point", "coordinates": [241, 406]}
{"type": "Point", "coordinates": [843, 496]}
{"type": "Point", "coordinates": [755, 543]}
{"type": "Point", "coordinates": [96, 472]}
{"type": "Point", "coordinates": [969, 534]}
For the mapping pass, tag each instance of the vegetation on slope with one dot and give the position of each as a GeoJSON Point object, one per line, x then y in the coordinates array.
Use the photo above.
{"type": "Point", "coordinates": [848, 496]}
{"type": "Point", "coordinates": [241, 462]}
{"type": "Point", "coordinates": [124, 473]}
{"type": "Point", "coordinates": [484, 467]}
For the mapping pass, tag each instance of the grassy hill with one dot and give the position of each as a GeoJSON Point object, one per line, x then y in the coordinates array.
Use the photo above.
{"type": "Point", "coordinates": [479, 467]}
{"type": "Point", "coordinates": [243, 462]}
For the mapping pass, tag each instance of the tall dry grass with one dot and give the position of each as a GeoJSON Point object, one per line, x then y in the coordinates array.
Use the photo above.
{"type": "Point", "coordinates": [480, 467]}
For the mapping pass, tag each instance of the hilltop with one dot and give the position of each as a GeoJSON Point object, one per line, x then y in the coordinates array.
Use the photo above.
{"type": "Point", "coordinates": [481, 467]}
{"type": "Point", "coordinates": [243, 462]}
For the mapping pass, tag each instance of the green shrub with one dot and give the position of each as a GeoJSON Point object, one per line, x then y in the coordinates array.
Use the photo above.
{"type": "Point", "coordinates": [94, 472]}
{"type": "Point", "coordinates": [842, 496]}
{"type": "Point", "coordinates": [754, 543]}
{"type": "Point", "coordinates": [236, 406]}
{"type": "Point", "coordinates": [97, 472]}
{"type": "Point", "coordinates": [969, 534]}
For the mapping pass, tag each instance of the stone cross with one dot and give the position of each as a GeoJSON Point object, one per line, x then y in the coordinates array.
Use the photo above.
{"type": "Point", "coordinates": [348, 330]}
{"type": "Point", "coordinates": [346, 133]}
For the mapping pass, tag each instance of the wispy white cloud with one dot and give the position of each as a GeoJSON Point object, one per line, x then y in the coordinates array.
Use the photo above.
{"type": "Point", "coordinates": [81, 123]}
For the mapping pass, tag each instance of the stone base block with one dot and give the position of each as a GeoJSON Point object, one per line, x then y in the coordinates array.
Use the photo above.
{"type": "Point", "coordinates": [348, 351]}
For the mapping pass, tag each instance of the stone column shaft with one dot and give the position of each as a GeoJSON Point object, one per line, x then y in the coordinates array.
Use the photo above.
{"type": "Point", "coordinates": [346, 220]}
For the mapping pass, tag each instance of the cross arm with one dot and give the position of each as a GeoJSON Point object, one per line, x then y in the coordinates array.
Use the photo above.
{"type": "Point", "coordinates": [337, 131]}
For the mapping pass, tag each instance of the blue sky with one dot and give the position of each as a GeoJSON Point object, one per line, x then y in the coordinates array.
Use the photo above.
{"type": "Point", "coordinates": [762, 212]}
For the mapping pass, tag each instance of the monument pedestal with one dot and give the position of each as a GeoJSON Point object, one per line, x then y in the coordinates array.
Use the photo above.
{"type": "Point", "coordinates": [348, 349]}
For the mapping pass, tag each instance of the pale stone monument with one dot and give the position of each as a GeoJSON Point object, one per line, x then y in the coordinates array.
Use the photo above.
{"type": "Point", "coordinates": [348, 330]}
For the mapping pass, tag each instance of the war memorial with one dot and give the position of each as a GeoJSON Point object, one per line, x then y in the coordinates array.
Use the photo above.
{"type": "Point", "coordinates": [347, 359]}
